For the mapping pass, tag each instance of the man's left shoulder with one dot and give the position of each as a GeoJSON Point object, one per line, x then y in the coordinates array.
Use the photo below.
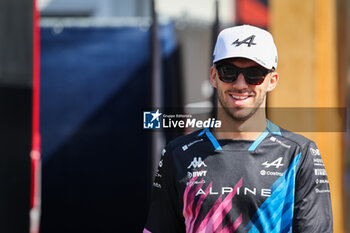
{"type": "Point", "coordinates": [299, 139]}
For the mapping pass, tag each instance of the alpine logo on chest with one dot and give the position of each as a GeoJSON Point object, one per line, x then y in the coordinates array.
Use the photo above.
{"type": "Point", "coordinates": [277, 163]}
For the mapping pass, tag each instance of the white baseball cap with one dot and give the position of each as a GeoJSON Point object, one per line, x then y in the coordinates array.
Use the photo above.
{"type": "Point", "coordinates": [248, 42]}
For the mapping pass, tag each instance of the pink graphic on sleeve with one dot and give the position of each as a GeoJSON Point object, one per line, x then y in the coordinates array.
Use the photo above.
{"type": "Point", "coordinates": [189, 196]}
{"type": "Point", "coordinates": [146, 231]}
{"type": "Point", "coordinates": [214, 218]}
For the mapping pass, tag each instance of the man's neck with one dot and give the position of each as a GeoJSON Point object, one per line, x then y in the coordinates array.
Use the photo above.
{"type": "Point", "coordinates": [249, 129]}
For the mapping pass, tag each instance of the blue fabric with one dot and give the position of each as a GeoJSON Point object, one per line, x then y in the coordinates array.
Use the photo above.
{"type": "Point", "coordinates": [95, 85]}
{"type": "Point", "coordinates": [257, 141]}
{"type": "Point", "coordinates": [276, 213]}
{"type": "Point", "coordinates": [273, 129]}
{"type": "Point", "coordinates": [203, 132]}
{"type": "Point", "coordinates": [83, 67]}
{"type": "Point", "coordinates": [211, 137]}
{"type": "Point", "coordinates": [213, 140]}
{"type": "Point", "coordinates": [270, 128]}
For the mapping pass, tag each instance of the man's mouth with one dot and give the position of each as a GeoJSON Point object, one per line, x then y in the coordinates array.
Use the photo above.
{"type": "Point", "coordinates": [239, 97]}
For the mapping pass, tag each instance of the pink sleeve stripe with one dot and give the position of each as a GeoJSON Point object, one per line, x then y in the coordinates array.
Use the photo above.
{"type": "Point", "coordinates": [146, 231]}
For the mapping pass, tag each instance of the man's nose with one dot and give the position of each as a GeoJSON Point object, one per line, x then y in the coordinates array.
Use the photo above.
{"type": "Point", "coordinates": [240, 82]}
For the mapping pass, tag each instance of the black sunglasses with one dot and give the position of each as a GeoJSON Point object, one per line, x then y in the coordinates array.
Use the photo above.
{"type": "Point", "coordinates": [255, 75]}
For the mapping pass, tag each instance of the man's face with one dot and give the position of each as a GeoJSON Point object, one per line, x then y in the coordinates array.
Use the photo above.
{"type": "Point", "coordinates": [239, 99]}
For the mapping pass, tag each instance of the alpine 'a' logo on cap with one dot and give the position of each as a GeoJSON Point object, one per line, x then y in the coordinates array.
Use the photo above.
{"type": "Point", "coordinates": [249, 41]}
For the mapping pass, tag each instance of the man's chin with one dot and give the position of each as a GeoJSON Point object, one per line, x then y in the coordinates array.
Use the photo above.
{"type": "Point", "coordinates": [241, 114]}
{"type": "Point", "coordinates": [240, 117]}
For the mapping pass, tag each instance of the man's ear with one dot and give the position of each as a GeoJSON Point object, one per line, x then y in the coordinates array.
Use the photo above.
{"type": "Point", "coordinates": [213, 77]}
{"type": "Point", "coordinates": [272, 81]}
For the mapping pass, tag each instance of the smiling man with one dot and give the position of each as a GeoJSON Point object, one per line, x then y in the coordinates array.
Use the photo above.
{"type": "Point", "coordinates": [250, 175]}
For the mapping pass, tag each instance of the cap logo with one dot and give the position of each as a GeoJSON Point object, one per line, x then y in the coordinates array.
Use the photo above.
{"type": "Point", "coordinates": [249, 41]}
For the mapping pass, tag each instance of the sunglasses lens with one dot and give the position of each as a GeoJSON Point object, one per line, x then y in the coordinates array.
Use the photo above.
{"type": "Point", "coordinates": [255, 75]}
{"type": "Point", "coordinates": [255, 80]}
{"type": "Point", "coordinates": [227, 73]}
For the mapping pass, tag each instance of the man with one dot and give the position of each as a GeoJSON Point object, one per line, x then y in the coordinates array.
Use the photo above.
{"type": "Point", "coordinates": [250, 175]}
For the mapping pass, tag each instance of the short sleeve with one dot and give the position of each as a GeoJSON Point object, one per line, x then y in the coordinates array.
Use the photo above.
{"type": "Point", "coordinates": [312, 210]}
{"type": "Point", "coordinates": [164, 214]}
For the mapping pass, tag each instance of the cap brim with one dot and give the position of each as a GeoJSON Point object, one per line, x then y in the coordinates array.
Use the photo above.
{"type": "Point", "coordinates": [254, 59]}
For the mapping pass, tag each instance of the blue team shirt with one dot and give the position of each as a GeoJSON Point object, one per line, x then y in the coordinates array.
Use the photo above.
{"type": "Point", "coordinates": [277, 183]}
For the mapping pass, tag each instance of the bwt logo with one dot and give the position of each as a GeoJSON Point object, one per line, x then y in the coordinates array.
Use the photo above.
{"type": "Point", "coordinates": [151, 120]}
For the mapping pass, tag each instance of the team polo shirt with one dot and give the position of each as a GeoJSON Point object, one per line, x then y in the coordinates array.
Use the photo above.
{"type": "Point", "coordinates": [277, 183]}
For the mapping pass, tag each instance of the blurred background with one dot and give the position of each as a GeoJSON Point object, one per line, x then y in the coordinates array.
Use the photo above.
{"type": "Point", "coordinates": [77, 75]}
